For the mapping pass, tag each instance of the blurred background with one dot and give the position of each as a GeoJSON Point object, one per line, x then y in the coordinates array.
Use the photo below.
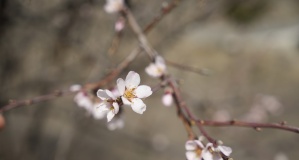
{"type": "Point", "coordinates": [250, 46]}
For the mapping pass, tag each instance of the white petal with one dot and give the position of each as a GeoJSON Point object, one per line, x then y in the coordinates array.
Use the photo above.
{"type": "Point", "coordinates": [132, 80]}
{"type": "Point", "coordinates": [152, 70]}
{"type": "Point", "coordinates": [116, 107]}
{"type": "Point", "coordinates": [121, 86]}
{"type": "Point", "coordinates": [206, 155]}
{"type": "Point", "coordinates": [167, 99]}
{"type": "Point", "coordinates": [190, 155]}
{"type": "Point", "coordinates": [138, 106]}
{"type": "Point", "coordinates": [110, 115]}
{"type": "Point", "coordinates": [160, 62]}
{"type": "Point", "coordinates": [225, 150]}
{"type": "Point", "coordinates": [126, 101]}
{"type": "Point", "coordinates": [143, 91]}
{"type": "Point", "coordinates": [113, 6]}
{"type": "Point", "coordinates": [102, 94]}
{"type": "Point", "coordinates": [97, 114]}
{"type": "Point", "coordinates": [199, 143]}
{"type": "Point", "coordinates": [190, 145]}
{"type": "Point", "coordinates": [110, 94]}
{"type": "Point", "coordinates": [103, 107]}
{"type": "Point", "coordinates": [75, 88]}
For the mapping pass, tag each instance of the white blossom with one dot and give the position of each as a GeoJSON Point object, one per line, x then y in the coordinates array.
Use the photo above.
{"type": "Point", "coordinates": [108, 104]}
{"type": "Point", "coordinates": [113, 6]}
{"type": "Point", "coordinates": [96, 113]}
{"type": "Point", "coordinates": [214, 153]}
{"type": "Point", "coordinates": [116, 123]}
{"type": "Point", "coordinates": [167, 99]}
{"type": "Point", "coordinates": [75, 88]}
{"type": "Point", "coordinates": [84, 101]}
{"type": "Point", "coordinates": [194, 149]}
{"type": "Point", "coordinates": [156, 69]}
{"type": "Point", "coordinates": [132, 93]}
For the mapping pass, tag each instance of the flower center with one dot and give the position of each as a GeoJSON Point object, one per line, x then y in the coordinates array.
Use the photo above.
{"type": "Point", "coordinates": [198, 151]}
{"type": "Point", "coordinates": [129, 94]}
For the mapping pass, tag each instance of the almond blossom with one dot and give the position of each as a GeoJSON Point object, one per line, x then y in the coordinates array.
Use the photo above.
{"type": "Point", "coordinates": [132, 93]}
{"type": "Point", "coordinates": [156, 69]}
{"type": "Point", "coordinates": [214, 153]}
{"type": "Point", "coordinates": [194, 149]}
{"type": "Point", "coordinates": [108, 104]}
{"type": "Point", "coordinates": [113, 6]}
{"type": "Point", "coordinates": [167, 98]}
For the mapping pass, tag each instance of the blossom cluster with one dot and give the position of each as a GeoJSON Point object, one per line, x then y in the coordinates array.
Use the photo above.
{"type": "Point", "coordinates": [195, 150]}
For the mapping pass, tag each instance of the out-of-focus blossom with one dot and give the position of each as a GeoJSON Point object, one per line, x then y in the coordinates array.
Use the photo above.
{"type": "Point", "coordinates": [119, 24]}
{"type": "Point", "coordinates": [96, 113]}
{"type": "Point", "coordinates": [156, 69]}
{"type": "Point", "coordinates": [108, 104]}
{"type": "Point", "coordinates": [194, 149]}
{"type": "Point", "coordinates": [221, 115]}
{"type": "Point", "coordinates": [132, 93]}
{"type": "Point", "coordinates": [214, 153]}
{"type": "Point", "coordinates": [167, 99]}
{"type": "Point", "coordinates": [281, 156]}
{"type": "Point", "coordinates": [113, 6]}
{"type": "Point", "coordinates": [75, 88]}
{"type": "Point", "coordinates": [270, 103]}
{"type": "Point", "coordinates": [84, 101]}
{"type": "Point", "coordinates": [116, 123]}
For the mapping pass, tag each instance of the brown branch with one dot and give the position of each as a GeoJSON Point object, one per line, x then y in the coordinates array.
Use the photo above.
{"type": "Point", "coordinates": [176, 94]}
{"type": "Point", "coordinates": [164, 11]}
{"type": "Point", "coordinates": [234, 123]}
{"type": "Point", "coordinates": [15, 103]}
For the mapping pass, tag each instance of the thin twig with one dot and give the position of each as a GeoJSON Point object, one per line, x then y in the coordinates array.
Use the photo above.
{"type": "Point", "coordinates": [235, 123]}
{"type": "Point", "coordinates": [15, 103]}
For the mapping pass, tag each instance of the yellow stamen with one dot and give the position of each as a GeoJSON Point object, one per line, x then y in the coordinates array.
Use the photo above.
{"type": "Point", "coordinates": [129, 94]}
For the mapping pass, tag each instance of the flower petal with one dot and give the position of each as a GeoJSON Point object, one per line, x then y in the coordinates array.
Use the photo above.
{"type": "Point", "coordinates": [152, 70]}
{"type": "Point", "coordinates": [199, 144]}
{"type": "Point", "coordinates": [138, 106]}
{"type": "Point", "coordinates": [103, 107]}
{"type": "Point", "coordinates": [190, 145]}
{"type": "Point", "coordinates": [160, 62]}
{"type": "Point", "coordinates": [143, 91]}
{"type": "Point", "coordinates": [75, 88]}
{"type": "Point", "coordinates": [167, 99]}
{"type": "Point", "coordinates": [110, 115]}
{"type": "Point", "coordinates": [225, 150]}
{"type": "Point", "coordinates": [102, 94]}
{"type": "Point", "coordinates": [121, 86]}
{"type": "Point", "coordinates": [116, 107]}
{"type": "Point", "coordinates": [191, 155]}
{"type": "Point", "coordinates": [206, 155]}
{"type": "Point", "coordinates": [132, 80]}
{"type": "Point", "coordinates": [97, 114]}
{"type": "Point", "coordinates": [126, 101]}
{"type": "Point", "coordinates": [110, 94]}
